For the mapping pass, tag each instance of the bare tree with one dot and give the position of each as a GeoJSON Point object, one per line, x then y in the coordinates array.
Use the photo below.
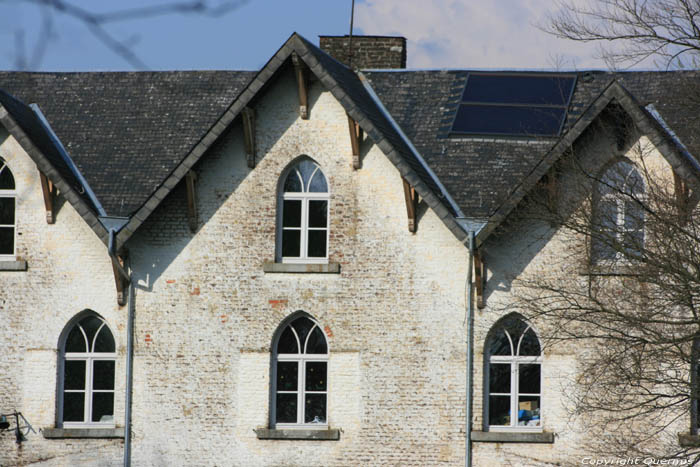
{"type": "Point", "coordinates": [632, 31]}
{"type": "Point", "coordinates": [623, 290]}
{"type": "Point", "coordinates": [97, 23]}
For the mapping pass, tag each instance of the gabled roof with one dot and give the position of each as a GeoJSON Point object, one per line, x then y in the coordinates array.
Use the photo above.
{"type": "Point", "coordinates": [487, 176]}
{"type": "Point", "coordinates": [127, 131]}
{"type": "Point", "coordinates": [134, 136]}
{"type": "Point", "coordinates": [348, 89]}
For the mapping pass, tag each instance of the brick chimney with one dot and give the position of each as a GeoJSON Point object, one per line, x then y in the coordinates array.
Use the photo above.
{"type": "Point", "coordinates": [367, 51]}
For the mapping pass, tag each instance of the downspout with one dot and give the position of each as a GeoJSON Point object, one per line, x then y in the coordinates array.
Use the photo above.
{"type": "Point", "coordinates": [111, 249]}
{"type": "Point", "coordinates": [470, 354]}
{"type": "Point", "coordinates": [129, 377]}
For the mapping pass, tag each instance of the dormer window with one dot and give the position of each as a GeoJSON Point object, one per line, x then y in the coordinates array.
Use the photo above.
{"type": "Point", "coordinates": [303, 220]}
{"type": "Point", "coordinates": [7, 212]}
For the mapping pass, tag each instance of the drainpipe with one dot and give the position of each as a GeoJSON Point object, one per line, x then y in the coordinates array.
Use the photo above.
{"type": "Point", "coordinates": [111, 249]}
{"type": "Point", "coordinates": [129, 377]}
{"type": "Point", "coordinates": [470, 354]}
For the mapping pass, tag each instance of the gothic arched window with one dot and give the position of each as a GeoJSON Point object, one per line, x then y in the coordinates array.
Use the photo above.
{"type": "Point", "coordinates": [87, 370]}
{"type": "Point", "coordinates": [7, 212]}
{"type": "Point", "coordinates": [303, 220]}
{"type": "Point", "coordinates": [513, 376]}
{"type": "Point", "coordinates": [300, 375]}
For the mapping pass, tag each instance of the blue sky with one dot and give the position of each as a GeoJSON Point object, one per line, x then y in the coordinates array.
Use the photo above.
{"type": "Point", "coordinates": [440, 33]}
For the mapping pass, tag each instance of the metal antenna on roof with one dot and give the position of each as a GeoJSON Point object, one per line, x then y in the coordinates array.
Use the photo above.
{"type": "Point", "coordinates": [352, 17]}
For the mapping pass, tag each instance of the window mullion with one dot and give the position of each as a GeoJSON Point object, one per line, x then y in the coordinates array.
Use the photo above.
{"type": "Point", "coordinates": [514, 394]}
{"type": "Point", "coordinates": [304, 227]}
{"type": "Point", "coordinates": [300, 394]}
{"type": "Point", "coordinates": [88, 390]}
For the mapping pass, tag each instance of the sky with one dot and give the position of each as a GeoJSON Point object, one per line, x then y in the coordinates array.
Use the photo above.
{"type": "Point", "coordinates": [440, 34]}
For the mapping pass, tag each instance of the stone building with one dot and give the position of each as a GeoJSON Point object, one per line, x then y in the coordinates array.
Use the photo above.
{"type": "Point", "coordinates": [270, 267]}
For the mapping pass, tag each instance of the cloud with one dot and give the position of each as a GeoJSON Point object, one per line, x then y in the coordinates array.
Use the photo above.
{"type": "Point", "coordinates": [474, 34]}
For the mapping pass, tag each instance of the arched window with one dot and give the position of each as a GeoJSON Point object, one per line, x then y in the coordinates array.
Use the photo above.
{"type": "Point", "coordinates": [618, 220]}
{"type": "Point", "coordinates": [513, 376]}
{"type": "Point", "coordinates": [300, 375]}
{"type": "Point", "coordinates": [303, 226]}
{"type": "Point", "coordinates": [7, 212]}
{"type": "Point", "coordinates": [86, 369]}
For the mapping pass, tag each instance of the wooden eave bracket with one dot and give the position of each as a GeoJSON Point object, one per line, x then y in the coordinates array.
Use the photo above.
{"type": "Point", "coordinates": [248, 116]}
{"type": "Point", "coordinates": [411, 205]}
{"type": "Point", "coordinates": [121, 278]}
{"type": "Point", "coordinates": [49, 191]}
{"type": "Point", "coordinates": [479, 278]}
{"type": "Point", "coordinates": [355, 139]}
{"type": "Point", "coordinates": [192, 217]}
{"type": "Point", "coordinates": [302, 85]}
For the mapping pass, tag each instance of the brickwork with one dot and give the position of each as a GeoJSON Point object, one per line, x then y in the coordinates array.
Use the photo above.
{"type": "Point", "coordinates": [367, 51]}
{"type": "Point", "coordinates": [68, 271]}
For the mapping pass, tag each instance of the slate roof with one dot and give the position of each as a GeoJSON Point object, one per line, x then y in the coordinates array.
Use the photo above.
{"type": "Point", "coordinates": [127, 131]}
{"type": "Point", "coordinates": [133, 135]}
{"type": "Point", "coordinates": [481, 172]}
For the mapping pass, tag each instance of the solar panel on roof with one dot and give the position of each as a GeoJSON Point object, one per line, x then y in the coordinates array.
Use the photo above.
{"type": "Point", "coordinates": [514, 104]}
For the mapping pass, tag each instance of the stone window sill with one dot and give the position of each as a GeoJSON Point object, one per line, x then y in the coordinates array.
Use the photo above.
{"type": "Point", "coordinates": [687, 440]}
{"type": "Point", "coordinates": [303, 268]}
{"type": "Point", "coordinates": [62, 433]}
{"type": "Point", "coordinates": [512, 437]}
{"type": "Point", "coordinates": [330, 434]}
{"type": "Point", "coordinates": [19, 265]}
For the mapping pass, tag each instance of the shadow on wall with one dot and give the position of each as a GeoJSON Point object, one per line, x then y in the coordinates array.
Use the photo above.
{"type": "Point", "coordinates": [220, 172]}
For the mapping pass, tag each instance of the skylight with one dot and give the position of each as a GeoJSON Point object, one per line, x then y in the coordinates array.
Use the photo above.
{"type": "Point", "coordinates": [514, 104]}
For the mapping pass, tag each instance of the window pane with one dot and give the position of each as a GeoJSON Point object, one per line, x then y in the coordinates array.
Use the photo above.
{"type": "Point", "coordinates": [291, 243]}
{"type": "Point", "coordinates": [316, 342]}
{"type": "Point", "coordinates": [286, 409]}
{"type": "Point", "coordinates": [318, 183]}
{"type": "Point", "coordinates": [499, 410]}
{"type": "Point", "coordinates": [318, 214]}
{"type": "Point", "coordinates": [306, 168]}
{"type": "Point", "coordinates": [76, 341]}
{"type": "Point", "coordinates": [500, 345]}
{"type": "Point", "coordinates": [7, 181]}
{"type": "Point", "coordinates": [7, 240]}
{"type": "Point", "coordinates": [104, 341]}
{"type": "Point", "coordinates": [316, 376]}
{"type": "Point", "coordinates": [315, 409]}
{"type": "Point", "coordinates": [90, 325]}
{"type": "Point", "coordinates": [528, 411]}
{"type": "Point", "coordinates": [303, 326]}
{"type": "Point", "coordinates": [529, 378]}
{"type": "Point", "coordinates": [74, 374]}
{"type": "Point", "coordinates": [499, 377]}
{"type": "Point", "coordinates": [73, 407]}
{"type": "Point", "coordinates": [529, 345]}
{"type": "Point", "coordinates": [287, 376]}
{"type": "Point", "coordinates": [103, 407]}
{"type": "Point", "coordinates": [291, 213]}
{"type": "Point", "coordinates": [103, 374]}
{"type": "Point", "coordinates": [287, 342]}
{"type": "Point", "coordinates": [7, 211]}
{"type": "Point", "coordinates": [292, 184]}
{"type": "Point", "coordinates": [317, 243]}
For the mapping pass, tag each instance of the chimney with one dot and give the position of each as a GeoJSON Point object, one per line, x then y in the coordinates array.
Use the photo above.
{"type": "Point", "coordinates": [367, 51]}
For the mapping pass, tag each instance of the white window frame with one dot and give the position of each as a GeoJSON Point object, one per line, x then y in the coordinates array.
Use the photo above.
{"type": "Point", "coordinates": [514, 361]}
{"type": "Point", "coordinates": [302, 359]}
{"type": "Point", "coordinates": [305, 197]}
{"type": "Point", "coordinates": [10, 194]}
{"type": "Point", "coordinates": [618, 197]}
{"type": "Point", "coordinates": [89, 358]}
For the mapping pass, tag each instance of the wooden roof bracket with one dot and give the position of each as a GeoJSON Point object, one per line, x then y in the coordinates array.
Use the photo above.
{"type": "Point", "coordinates": [355, 139]}
{"type": "Point", "coordinates": [411, 205]}
{"type": "Point", "coordinates": [302, 85]}
{"type": "Point", "coordinates": [479, 278]}
{"type": "Point", "coordinates": [49, 191]}
{"type": "Point", "coordinates": [121, 278]}
{"type": "Point", "coordinates": [192, 217]}
{"type": "Point", "coordinates": [248, 116]}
